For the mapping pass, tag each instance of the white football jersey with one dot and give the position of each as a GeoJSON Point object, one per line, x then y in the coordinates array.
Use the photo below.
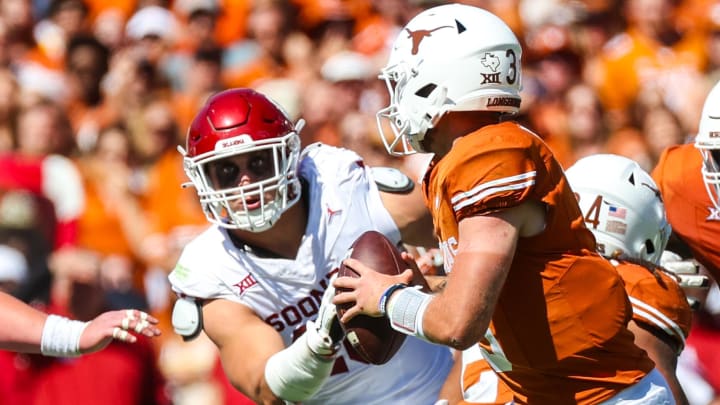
{"type": "Point", "coordinates": [343, 203]}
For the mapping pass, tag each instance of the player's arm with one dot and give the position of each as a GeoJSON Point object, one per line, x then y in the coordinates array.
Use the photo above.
{"type": "Point", "coordinates": [245, 344]}
{"type": "Point", "coordinates": [256, 360]}
{"type": "Point", "coordinates": [22, 325]}
{"type": "Point", "coordinates": [663, 353]}
{"type": "Point", "coordinates": [485, 251]}
{"type": "Point", "coordinates": [25, 329]}
{"type": "Point", "coordinates": [436, 283]}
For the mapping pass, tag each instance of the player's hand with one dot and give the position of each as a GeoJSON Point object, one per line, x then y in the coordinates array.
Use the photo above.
{"type": "Point", "coordinates": [686, 270]}
{"type": "Point", "coordinates": [365, 290]}
{"type": "Point", "coordinates": [116, 325]}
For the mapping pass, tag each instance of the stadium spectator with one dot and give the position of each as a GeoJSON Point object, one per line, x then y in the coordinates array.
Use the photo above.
{"type": "Point", "coordinates": [651, 51]}
{"type": "Point", "coordinates": [86, 63]}
{"type": "Point", "coordinates": [113, 223]}
{"type": "Point", "coordinates": [40, 163]}
{"type": "Point", "coordinates": [9, 106]}
{"type": "Point", "coordinates": [269, 24]}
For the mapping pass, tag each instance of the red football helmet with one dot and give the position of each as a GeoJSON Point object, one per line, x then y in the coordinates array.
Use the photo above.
{"type": "Point", "coordinates": [243, 127]}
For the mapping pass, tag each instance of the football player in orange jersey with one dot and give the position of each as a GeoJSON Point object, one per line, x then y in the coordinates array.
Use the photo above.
{"type": "Point", "coordinates": [688, 176]}
{"type": "Point", "coordinates": [694, 213]}
{"type": "Point", "coordinates": [625, 212]}
{"type": "Point", "coordinates": [525, 281]}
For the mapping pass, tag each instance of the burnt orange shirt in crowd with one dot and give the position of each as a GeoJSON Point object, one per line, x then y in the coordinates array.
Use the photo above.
{"type": "Point", "coordinates": [631, 60]}
{"type": "Point", "coordinates": [559, 328]}
{"type": "Point", "coordinates": [659, 305]}
{"type": "Point", "coordinates": [99, 228]}
{"type": "Point", "coordinates": [688, 205]}
{"type": "Point", "coordinates": [169, 205]}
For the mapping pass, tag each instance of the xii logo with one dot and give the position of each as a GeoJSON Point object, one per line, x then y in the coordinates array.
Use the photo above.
{"type": "Point", "coordinates": [714, 214]}
{"type": "Point", "coordinates": [491, 62]}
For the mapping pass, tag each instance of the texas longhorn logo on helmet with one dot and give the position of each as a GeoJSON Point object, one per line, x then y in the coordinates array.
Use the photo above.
{"type": "Point", "coordinates": [419, 35]}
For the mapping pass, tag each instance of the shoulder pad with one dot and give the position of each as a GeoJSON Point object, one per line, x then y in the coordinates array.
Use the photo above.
{"type": "Point", "coordinates": [391, 180]}
{"type": "Point", "coordinates": [187, 318]}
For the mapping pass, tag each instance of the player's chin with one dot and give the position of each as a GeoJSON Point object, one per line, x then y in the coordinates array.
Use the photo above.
{"type": "Point", "coordinates": [249, 204]}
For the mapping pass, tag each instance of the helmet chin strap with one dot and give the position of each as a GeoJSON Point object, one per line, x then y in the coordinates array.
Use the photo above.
{"type": "Point", "coordinates": [437, 108]}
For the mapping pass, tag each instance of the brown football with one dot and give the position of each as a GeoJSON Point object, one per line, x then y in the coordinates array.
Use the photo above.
{"type": "Point", "coordinates": [373, 338]}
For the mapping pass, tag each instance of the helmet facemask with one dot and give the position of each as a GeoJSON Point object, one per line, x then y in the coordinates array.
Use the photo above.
{"type": "Point", "coordinates": [409, 129]}
{"type": "Point", "coordinates": [711, 174]}
{"type": "Point", "coordinates": [227, 206]}
{"type": "Point", "coordinates": [707, 142]}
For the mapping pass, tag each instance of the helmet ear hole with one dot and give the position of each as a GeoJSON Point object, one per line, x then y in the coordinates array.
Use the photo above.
{"type": "Point", "coordinates": [426, 90]}
{"type": "Point", "coordinates": [649, 247]}
{"type": "Point", "coordinates": [623, 205]}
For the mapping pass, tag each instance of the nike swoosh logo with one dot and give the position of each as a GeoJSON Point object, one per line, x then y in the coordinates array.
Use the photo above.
{"type": "Point", "coordinates": [713, 117]}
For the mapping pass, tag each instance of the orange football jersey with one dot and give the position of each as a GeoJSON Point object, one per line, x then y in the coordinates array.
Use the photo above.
{"type": "Point", "coordinates": [689, 210]}
{"type": "Point", "coordinates": [658, 301]}
{"type": "Point", "coordinates": [559, 331]}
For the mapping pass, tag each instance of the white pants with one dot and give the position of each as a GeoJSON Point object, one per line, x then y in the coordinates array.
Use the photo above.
{"type": "Point", "coordinates": [651, 390]}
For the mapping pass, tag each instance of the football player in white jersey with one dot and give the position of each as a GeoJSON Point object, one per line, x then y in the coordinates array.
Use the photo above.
{"type": "Point", "coordinates": [256, 281]}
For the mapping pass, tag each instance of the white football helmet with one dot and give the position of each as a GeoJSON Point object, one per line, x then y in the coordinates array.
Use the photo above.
{"type": "Point", "coordinates": [243, 122]}
{"type": "Point", "coordinates": [707, 142]}
{"type": "Point", "coordinates": [621, 205]}
{"type": "Point", "coordinates": [452, 57]}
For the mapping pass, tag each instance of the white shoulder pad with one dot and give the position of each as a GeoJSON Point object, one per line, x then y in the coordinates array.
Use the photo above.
{"type": "Point", "coordinates": [187, 318]}
{"type": "Point", "coordinates": [391, 180]}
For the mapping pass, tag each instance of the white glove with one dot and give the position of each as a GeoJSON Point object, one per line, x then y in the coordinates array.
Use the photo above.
{"type": "Point", "coordinates": [686, 270]}
{"type": "Point", "coordinates": [327, 322]}
{"type": "Point", "coordinates": [297, 372]}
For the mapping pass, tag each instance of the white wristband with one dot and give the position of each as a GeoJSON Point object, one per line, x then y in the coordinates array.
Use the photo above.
{"type": "Point", "coordinates": [61, 337]}
{"type": "Point", "coordinates": [406, 309]}
{"type": "Point", "coordinates": [297, 372]}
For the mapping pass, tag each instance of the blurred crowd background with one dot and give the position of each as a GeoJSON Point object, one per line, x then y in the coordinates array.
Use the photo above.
{"type": "Point", "coordinates": [96, 95]}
